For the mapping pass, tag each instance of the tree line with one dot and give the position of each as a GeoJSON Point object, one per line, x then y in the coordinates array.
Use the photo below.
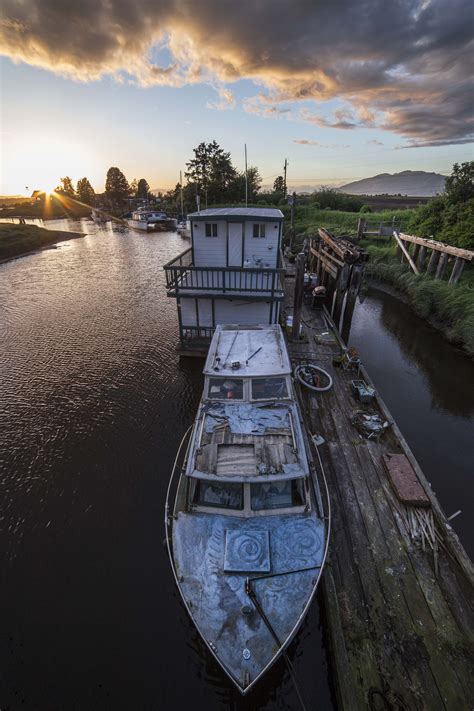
{"type": "Point", "coordinates": [210, 179]}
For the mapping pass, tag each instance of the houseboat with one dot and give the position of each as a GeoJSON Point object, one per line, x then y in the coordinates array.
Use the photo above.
{"type": "Point", "coordinates": [248, 529]}
{"type": "Point", "coordinates": [151, 220]}
{"type": "Point", "coordinates": [231, 273]}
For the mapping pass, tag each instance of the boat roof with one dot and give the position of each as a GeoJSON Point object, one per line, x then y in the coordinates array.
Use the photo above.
{"type": "Point", "coordinates": [238, 214]}
{"type": "Point", "coordinates": [241, 344]}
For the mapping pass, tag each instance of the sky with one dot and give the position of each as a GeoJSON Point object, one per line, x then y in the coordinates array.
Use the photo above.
{"type": "Point", "coordinates": [342, 90]}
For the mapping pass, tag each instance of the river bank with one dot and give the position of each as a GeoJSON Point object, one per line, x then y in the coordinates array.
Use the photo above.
{"type": "Point", "coordinates": [19, 240]}
{"type": "Point", "coordinates": [447, 308]}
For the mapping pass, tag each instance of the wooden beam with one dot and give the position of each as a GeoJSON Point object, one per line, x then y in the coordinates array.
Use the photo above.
{"type": "Point", "coordinates": [442, 264]}
{"type": "Point", "coordinates": [440, 246]}
{"type": "Point", "coordinates": [433, 263]}
{"type": "Point", "coordinates": [405, 252]}
{"type": "Point", "coordinates": [457, 269]}
{"type": "Point", "coordinates": [421, 258]}
{"type": "Point", "coordinates": [299, 288]}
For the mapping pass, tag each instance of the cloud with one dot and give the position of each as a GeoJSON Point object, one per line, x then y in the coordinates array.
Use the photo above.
{"type": "Point", "coordinates": [374, 142]}
{"type": "Point", "coordinates": [306, 142]}
{"type": "Point", "coordinates": [403, 66]}
{"type": "Point", "coordinates": [227, 100]}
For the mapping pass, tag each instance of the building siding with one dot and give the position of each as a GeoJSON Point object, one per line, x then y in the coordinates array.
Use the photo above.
{"type": "Point", "coordinates": [210, 251]}
{"type": "Point", "coordinates": [264, 249]}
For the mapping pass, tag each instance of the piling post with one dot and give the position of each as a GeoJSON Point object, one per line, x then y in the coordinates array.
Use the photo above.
{"type": "Point", "coordinates": [354, 286]}
{"type": "Point", "coordinates": [421, 258]}
{"type": "Point", "coordinates": [360, 228]}
{"type": "Point", "coordinates": [457, 269]}
{"type": "Point", "coordinates": [298, 300]}
{"type": "Point", "coordinates": [442, 264]}
{"type": "Point", "coordinates": [433, 263]}
{"type": "Point", "coordinates": [341, 287]}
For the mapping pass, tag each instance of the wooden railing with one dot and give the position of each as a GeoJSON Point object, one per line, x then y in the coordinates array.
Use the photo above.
{"type": "Point", "coordinates": [182, 275]}
{"type": "Point", "coordinates": [194, 334]}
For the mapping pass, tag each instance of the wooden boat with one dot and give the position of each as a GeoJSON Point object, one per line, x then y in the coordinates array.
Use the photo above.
{"type": "Point", "coordinates": [148, 220]}
{"type": "Point", "coordinates": [248, 531]}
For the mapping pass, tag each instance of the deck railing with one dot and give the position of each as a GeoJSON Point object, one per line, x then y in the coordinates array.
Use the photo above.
{"type": "Point", "coordinates": [182, 275]}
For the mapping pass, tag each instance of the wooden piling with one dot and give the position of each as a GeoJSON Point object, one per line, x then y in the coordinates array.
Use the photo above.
{"type": "Point", "coordinates": [357, 272]}
{"type": "Point", "coordinates": [298, 297]}
{"type": "Point", "coordinates": [457, 269]}
{"type": "Point", "coordinates": [433, 263]}
{"type": "Point", "coordinates": [421, 258]}
{"type": "Point", "coordinates": [442, 264]}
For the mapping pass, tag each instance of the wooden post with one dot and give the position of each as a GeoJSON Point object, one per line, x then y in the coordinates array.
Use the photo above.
{"type": "Point", "coordinates": [457, 269]}
{"type": "Point", "coordinates": [298, 297]}
{"type": "Point", "coordinates": [360, 228]}
{"type": "Point", "coordinates": [405, 252]}
{"type": "Point", "coordinates": [416, 250]}
{"type": "Point", "coordinates": [421, 258]}
{"type": "Point", "coordinates": [354, 286]}
{"type": "Point", "coordinates": [342, 284]}
{"type": "Point", "coordinates": [442, 264]}
{"type": "Point", "coordinates": [433, 263]}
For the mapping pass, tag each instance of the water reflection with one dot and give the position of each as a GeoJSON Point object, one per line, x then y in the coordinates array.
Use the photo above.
{"type": "Point", "coordinates": [94, 404]}
{"type": "Point", "coordinates": [428, 386]}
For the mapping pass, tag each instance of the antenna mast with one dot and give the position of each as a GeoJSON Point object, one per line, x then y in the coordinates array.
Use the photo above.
{"type": "Point", "coordinates": [284, 179]}
{"type": "Point", "coordinates": [246, 187]}
{"type": "Point", "coordinates": [181, 191]}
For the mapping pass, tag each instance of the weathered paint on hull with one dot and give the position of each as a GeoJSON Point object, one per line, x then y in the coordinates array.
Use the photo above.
{"type": "Point", "coordinates": [216, 599]}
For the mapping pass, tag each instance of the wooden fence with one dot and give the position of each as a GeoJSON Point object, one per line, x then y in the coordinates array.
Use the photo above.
{"type": "Point", "coordinates": [432, 257]}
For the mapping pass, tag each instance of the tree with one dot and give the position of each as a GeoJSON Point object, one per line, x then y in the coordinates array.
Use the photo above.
{"type": "Point", "coordinates": [116, 185]}
{"type": "Point", "coordinates": [279, 184]}
{"type": "Point", "coordinates": [133, 187]}
{"type": "Point", "coordinates": [143, 189]}
{"type": "Point", "coordinates": [459, 186]}
{"type": "Point", "coordinates": [211, 171]}
{"type": "Point", "coordinates": [85, 191]}
{"type": "Point", "coordinates": [66, 187]}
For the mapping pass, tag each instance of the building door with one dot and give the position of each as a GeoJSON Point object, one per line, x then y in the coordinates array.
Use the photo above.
{"type": "Point", "coordinates": [235, 244]}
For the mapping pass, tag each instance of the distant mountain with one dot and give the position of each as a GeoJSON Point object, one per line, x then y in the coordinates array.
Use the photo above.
{"type": "Point", "coordinates": [409, 182]}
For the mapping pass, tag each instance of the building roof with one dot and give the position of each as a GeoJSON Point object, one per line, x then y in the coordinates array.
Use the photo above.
{"type": "Point", "coordinates": [234, 343]}
{"type": "Point", "coordinates": [237, 214]}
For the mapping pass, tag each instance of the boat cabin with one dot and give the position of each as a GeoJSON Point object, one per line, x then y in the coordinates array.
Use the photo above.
{"type": "Point", "coordinates": [232, 273]}
{"type": "Point", "coordinates": [247, 456]}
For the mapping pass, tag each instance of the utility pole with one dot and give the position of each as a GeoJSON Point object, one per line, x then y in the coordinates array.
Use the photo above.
{"type": "Point", "coordinates": [284, 178]}
{"type": "Point", "coordinates": [246, 187]}
{"type": "Point", "coordinates": [181, 191]}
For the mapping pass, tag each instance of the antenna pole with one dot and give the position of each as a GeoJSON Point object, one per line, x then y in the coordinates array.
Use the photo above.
{"type": "Point", "coordinates": [284, 179]}
{"type": "Point", "coordinates": [181, 186]}
{"type": "Point", "coordinates": [246, 187]}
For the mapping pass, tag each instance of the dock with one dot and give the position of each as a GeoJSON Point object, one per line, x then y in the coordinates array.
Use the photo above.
{"type": "Point", "coordinates": [398, 586]}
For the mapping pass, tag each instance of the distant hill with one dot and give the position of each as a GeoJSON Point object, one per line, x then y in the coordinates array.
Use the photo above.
{"type": "Point", "coordinates": [409, 182]}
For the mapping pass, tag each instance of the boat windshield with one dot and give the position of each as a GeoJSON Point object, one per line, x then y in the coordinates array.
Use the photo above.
{"type": "Point", "coordinates": [277, 494]}
{"type": "Point", "coordinates": [226, 389]}
{"type": "Point", "coordinates": [269, 388]}
{"type": "Point", "coordinates": [219, 495]}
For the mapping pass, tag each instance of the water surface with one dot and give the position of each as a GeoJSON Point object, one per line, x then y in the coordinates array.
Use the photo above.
{"type": "Point", "coordinates": [94, 405]}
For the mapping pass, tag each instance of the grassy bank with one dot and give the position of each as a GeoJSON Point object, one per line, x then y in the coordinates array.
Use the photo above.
{"type": "Point", "coordinates": [450, 308]}
{"type": "Point", "coordinates": [16, 240]}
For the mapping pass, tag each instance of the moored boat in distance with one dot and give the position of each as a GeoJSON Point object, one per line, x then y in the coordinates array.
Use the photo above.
{"type": "Point", "coordinates": [151, 220]}
{"type": "Point", "coordinates": [248, 530]}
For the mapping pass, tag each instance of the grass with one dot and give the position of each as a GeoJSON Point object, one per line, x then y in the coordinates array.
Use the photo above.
{"type": "Point", "coordinates": [450, 308]}
{"type": "Point", "coordinates": [16, 240]}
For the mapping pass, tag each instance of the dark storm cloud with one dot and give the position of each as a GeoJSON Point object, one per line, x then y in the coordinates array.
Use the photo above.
{"type": "Point", "coordinates": [401, 65]}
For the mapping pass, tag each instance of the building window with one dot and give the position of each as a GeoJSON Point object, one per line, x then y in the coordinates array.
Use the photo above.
{"type": "Point", "coordinates": [259, 230]}
{"type": "Point", "coordinates": [211, 229]}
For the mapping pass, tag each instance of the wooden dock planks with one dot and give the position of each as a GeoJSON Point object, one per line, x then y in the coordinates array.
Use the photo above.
{"type": "Point", "coordinates": [399, 635]}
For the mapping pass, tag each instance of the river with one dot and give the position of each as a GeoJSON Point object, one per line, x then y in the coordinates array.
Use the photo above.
{"type": "Point", "coordinates": [94, 404]}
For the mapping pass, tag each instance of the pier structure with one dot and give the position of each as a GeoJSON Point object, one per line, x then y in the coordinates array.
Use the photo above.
{"type": "Point", "coordinates": [398, 585]}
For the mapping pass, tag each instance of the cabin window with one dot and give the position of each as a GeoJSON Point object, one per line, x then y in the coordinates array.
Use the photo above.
{"type": "Point", "coordinates": [259, 230]}
{"type": "Point", "coordinates": [277, 494]}
{"type": "Point", "coordinates": [226, 389]}
{"type": "Point", "coordinates": [269, 388]}
{"type": "Point", "coordinates": [211, 229]}
{"type": "Point", "coordinates": [219, 495]}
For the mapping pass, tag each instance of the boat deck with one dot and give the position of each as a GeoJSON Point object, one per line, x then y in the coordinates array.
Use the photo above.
{"type": "Point", "coordinates": [399, 618]}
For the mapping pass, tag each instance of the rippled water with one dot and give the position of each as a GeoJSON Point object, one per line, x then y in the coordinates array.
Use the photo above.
{"type": "Point", "coordinates": [94, 404]}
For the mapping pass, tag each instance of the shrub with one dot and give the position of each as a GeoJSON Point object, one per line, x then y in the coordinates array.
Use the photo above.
{"type": "Point", "coordinates": [365, 208]}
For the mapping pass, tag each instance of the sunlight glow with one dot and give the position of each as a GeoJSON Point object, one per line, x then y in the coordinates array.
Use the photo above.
{"type": "Point", "coordinates": [38, 162]}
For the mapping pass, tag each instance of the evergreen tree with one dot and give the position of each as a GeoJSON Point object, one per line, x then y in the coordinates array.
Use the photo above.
{"type": "Point", "coordinates": [211, 171]}
{"type": "Point", "coordinates": [460, 184]}
{"type": "Point", "coordinates": [279, 184]}
{"type": "Point", "coordinates": [85, 191]}
{"type": "Point", "coordinates": [66, 187]}
{"type": "Point", "coordinates": [116, 185]}
{"type": "Point", "coordinates": [143, 189]}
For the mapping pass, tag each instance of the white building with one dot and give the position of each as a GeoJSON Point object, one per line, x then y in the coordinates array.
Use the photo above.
{"type": "Point", "coordinates": [231, 274]}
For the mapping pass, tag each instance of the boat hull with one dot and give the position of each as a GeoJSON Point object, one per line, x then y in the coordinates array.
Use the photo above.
{"type": "Point", "coordinates": [281, 556]}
